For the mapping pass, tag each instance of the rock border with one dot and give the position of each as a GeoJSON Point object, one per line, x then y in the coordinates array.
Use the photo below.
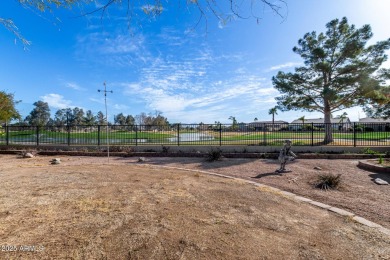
{"type": "Point", "coordinates": [374, 167]}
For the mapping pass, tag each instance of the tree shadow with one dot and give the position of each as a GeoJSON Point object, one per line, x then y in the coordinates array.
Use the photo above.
{"type": "Point", "coordinates": [201, 162]}
{"type": "Point", "coordinates": [262, 175]}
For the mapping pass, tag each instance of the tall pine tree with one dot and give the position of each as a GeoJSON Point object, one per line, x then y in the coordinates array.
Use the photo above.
{"type": "Point", "coordinates": [339, 71]}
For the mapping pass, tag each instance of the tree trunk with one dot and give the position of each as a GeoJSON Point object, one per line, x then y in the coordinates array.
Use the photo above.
{"type": "Point", "coordinates": [328, 125]}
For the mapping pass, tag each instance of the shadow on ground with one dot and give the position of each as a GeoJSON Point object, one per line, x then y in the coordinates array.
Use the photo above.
{"type": "Point", "coordinates": [202, 163]}
{"type": "Point", "coordinates": [383, 176]}
{"type": "Point", "coordinates": [262, 175]}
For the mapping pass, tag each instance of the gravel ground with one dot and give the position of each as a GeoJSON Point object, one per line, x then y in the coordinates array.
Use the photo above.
{"type": "Point", "coordinates": [84, 208]}
{"type": "Point", "coordinates": [358, 192]}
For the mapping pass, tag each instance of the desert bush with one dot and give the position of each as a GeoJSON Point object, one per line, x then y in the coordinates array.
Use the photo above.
{"type": "Point", "coordinates": [380, 160]}
{"type": "Point", "coordinates": [126, 149]}
{"type": "Point", "coordinates": [328, 181]}
{"type": "Point", "coordinates": [275, 143]}
{"type": "Point", "coordinates": [368, 129]}
{"type": "Point", "coordinates": [214, 155]}
{"type": "Point", "coordinates": [369, 151]}
{"type": "Point", "coordinates": [165, 149]}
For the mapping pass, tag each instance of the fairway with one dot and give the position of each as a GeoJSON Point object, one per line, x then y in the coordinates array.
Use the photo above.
{"type": "Point", "coordinates": [86, 136]}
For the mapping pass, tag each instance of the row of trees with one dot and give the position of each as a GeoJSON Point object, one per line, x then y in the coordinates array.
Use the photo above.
{"type": "Point", "coordinates": [40, 116]}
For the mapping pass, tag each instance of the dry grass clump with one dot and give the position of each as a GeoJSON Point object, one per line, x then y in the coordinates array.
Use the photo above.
{"type": "Point", "coordinates": [328, 181]}
{"type": "Point", "coordinates": [214, 155]}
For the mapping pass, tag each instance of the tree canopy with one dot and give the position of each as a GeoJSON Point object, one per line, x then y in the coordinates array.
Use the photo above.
{"type": "Point", "coordinates": [7, 107]}
{"type": "Point", "coordinates": [339, 71]}
{"type": "Point", "coordinates": [40, 115]}
{"type": "Point", "coordinates": [379, 106]}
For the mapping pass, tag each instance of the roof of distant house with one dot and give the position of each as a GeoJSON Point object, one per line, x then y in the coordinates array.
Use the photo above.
{"type": "Point", "coordinates": [374, 120]}
{"type": "Point", "coordinates": [320, 120]}
{"type": "Point", "coordinates": [268, 122]}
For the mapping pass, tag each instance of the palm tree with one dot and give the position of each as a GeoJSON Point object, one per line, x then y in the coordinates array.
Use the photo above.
{"type": "Point", "coordinates": [273, 111]}
{"type": "Point", "coordinates": [233, 118]}
{"type": "Point", "coordinates": [342, 117]}
{"type": "Point", "coordinates": [302, 118]}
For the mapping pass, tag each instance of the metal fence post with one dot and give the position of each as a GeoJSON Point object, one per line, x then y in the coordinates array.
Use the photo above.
{"type": "Point", "coordinates": [178, 134]}
{"type": "Point", "coordinates": [354, 134]}
{"type": "Point", "coordinates": [220, 134]}
{"type": "Point", "coordinates": [136, 135]}
{"type": "Point", "coordinates": [98, 135]}
{"type": "Point", "coordinates": [68, 137]}
{"type": "Point", "coordinates": [312, 134]}
{"type": "Point", "coordinates": [37, 135]}
{"type": "Point", "coordinates": [6, 134]}
{"type": "Point", "coordinates": [264, 135]}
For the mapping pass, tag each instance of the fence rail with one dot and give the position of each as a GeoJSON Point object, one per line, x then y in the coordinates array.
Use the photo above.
{"type": "Point", "coordinates": [260, 134]}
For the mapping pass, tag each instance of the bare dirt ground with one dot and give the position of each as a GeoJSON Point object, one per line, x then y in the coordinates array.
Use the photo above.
{"type": "Point", "coordinates": [84, 209]}
{"type": "Point", "coordinates": [358, 192]}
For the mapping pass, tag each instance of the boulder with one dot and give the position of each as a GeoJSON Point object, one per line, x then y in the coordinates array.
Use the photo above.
{"type": "Point", "coordinates": [56, 161]}
{"type": "Point", "coordinates": [28, 155]}
{"type": "Point", "coordinates": [380, 181]}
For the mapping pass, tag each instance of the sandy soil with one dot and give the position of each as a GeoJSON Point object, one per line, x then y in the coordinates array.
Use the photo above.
{"type": "Point", "coordinates": [84, 209]}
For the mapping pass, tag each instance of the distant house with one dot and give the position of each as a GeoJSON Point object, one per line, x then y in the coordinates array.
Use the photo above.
{"type": "Point", "coordinates": [267, 125]}
{"type": "Point", "coordinates": [337, 123]}
{"type": "Point", "coordinates": [375, 124]}
{"type": "Point", "coordinates": [242, 126]}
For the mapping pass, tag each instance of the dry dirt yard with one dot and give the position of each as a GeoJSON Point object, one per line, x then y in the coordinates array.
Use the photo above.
{"type": "Point", "coordinates": [86, 209]}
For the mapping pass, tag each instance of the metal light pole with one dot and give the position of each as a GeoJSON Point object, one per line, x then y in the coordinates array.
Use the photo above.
{"type": "Point", "coordinates": [105, 91]}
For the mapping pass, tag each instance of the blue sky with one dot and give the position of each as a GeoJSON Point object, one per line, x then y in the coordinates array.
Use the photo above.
{"type": "Point", "coordinates": [192, 75]}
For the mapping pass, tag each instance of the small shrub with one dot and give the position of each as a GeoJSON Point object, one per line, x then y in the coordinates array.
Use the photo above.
{"type": "Point", "coordinates": [165, 149]}
{"type": "Point", "coordinates": [380, 160]}
{"type": "Point", "coordinates": [369, 151]}
{"type": "Point", "coordinates": [116, 149]}
{"type": "Point", "coordinates": [368, 129]}
{"type": "Point", "coordinates": [328, 181]}
{"type": "Point", "coordinates": [214, 155]}
{"type": "Point", "coordinates": [276, 143]}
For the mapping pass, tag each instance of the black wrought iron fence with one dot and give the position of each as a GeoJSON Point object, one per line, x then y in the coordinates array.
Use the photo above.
{"type": "Point", "coordinates": [260, 134]}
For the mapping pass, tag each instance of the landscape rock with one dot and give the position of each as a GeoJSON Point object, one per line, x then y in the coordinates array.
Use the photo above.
{"type": "Point", "coordinates": [141, 159]}
{"type": "Point", "coordinates": [28, 155]}
{"type": "Point", "coordinates": [56, 161]}
{"type": "Point", "coordinates": [317, 168]}
{"type": "Point", "coordinates": [380, 181]}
